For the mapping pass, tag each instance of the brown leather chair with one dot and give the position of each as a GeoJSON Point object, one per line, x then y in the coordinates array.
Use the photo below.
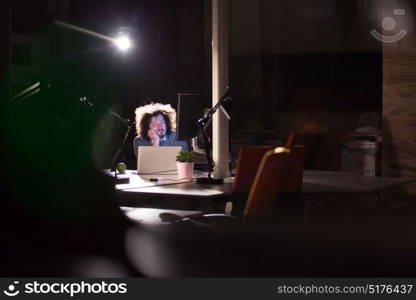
{"type": "Point", "coordinates": [269, 182]}
{"type": "Point", "coordinates": [290, 140]}
{"type": "Point", "coordinates": [280, 171]}
{"type": "Point", "coordinates": [248, 162]}
{"type": "Point", "coordinates": [294, 177]}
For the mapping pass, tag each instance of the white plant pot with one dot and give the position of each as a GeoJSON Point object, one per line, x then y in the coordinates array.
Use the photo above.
{"type": "Point", "coordinates": [185, 170]}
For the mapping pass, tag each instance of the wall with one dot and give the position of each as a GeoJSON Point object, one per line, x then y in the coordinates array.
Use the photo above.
{"type": "Point", "coordinates": [399, 103]}
{"type": "Point", "coordinates": [303, 65]}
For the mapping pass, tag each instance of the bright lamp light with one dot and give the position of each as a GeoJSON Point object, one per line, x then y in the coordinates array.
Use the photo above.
{"type": "Point", "coordinates": [123, 43]}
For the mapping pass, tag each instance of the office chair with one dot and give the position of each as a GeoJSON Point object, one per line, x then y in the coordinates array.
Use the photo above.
{"type": "Point", "coordinates": [290, 140]}
{"type": "Point", "coordinates": [280, 171]}
{"type": "Point", "coordinates": [270, 180]}
{"type": "Point", "coordinates": [294, 175]}
{"type": "Point", "coordinates": [248, 162]}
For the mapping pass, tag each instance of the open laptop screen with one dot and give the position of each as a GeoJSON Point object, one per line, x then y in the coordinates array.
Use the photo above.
{"type": "Point", "coordinates": [157, 160]}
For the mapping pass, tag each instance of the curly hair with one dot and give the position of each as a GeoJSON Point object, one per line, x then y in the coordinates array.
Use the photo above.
{"type": "Point", "coordinates": [145, 113]}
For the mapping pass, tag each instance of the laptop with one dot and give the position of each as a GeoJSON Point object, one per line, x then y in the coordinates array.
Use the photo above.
{"type": "Point", "coordinates": [157, 160]}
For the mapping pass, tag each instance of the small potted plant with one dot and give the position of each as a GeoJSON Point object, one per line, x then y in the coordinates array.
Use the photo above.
{"type": "Point", "coordinates": [185, 164]}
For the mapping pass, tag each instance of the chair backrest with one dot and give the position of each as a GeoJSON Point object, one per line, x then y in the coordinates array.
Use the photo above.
{"type": "Point", "coordinates": [268, 183]}
{"type": "Point", "coordinates": [280, 171]}
{"type": "Point", "coordinates": [290, 140]}
{"type": "Point", "coordinates": [294, 177]}
{"type": "Point", "coordinates": [248, 162]}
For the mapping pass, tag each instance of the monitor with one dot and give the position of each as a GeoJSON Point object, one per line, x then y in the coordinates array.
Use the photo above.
{"type": "Point", "coordinates": [190, 109]}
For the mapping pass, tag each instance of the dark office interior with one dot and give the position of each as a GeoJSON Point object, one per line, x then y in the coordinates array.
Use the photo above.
{"type": "Point", "coordinates": [307, 70]}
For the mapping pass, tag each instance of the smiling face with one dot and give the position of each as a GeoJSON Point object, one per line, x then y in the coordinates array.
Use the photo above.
{"type": "Point", "coordinates": [158, 125]}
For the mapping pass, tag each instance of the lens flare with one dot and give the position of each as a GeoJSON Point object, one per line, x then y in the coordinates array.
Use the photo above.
{"type": "Point", "coordinates": [123, 43]}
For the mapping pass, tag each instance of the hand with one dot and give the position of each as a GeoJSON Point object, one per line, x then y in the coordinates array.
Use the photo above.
{"type": "Point", "coordinates": [154, 138]}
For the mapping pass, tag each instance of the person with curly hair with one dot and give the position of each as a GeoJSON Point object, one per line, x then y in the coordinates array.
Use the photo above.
{"type": "Point", "coordinates": [155, 126]}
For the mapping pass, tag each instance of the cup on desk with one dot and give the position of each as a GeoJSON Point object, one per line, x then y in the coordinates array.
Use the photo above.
{"type": "Point", "coordinates": [185, 169]}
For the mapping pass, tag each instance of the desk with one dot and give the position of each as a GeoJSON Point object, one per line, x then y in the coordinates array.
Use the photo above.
{"type": "Point", "coordinates": [347, 184]}
{"type": "Point", "coordinates": [170, 193]}
{"type": "Point", "coordinates": [315, 181]}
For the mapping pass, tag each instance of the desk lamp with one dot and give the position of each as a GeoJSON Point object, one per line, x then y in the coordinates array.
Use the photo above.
{"type": "Point", "coordinates": [114, 161]}
{"type": "Point", "coordinates": [201, 123]}
{"type": "Point", "coordinates": [128, 124]}
{"type": "Point", "coordinates": [124, 43]}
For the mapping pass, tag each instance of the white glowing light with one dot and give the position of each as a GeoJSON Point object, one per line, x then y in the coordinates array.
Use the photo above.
{"type": "Point", "coordinates": [123, 43]}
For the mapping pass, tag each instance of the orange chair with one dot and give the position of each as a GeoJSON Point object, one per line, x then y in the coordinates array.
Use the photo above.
{"type": "Point", "coordinates": [290, 140]}
{"type": "Point", "coordinates": [269, 182]}
{"type": "Point", "coordinates": [280, 171]}
{"type": "Point", "coordinates": [294, 177]}
{"type": "Point", "coordinates": [248, 162]}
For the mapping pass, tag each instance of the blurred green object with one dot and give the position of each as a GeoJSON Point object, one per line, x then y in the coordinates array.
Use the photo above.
{"type": "Point", "coordinates": [185, 156]}
{"type": "Point", "coordinates": [121, 167]}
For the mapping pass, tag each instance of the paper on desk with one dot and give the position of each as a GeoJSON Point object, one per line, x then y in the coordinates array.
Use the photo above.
{"type": "Point", "coordinates": [140, 181]}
